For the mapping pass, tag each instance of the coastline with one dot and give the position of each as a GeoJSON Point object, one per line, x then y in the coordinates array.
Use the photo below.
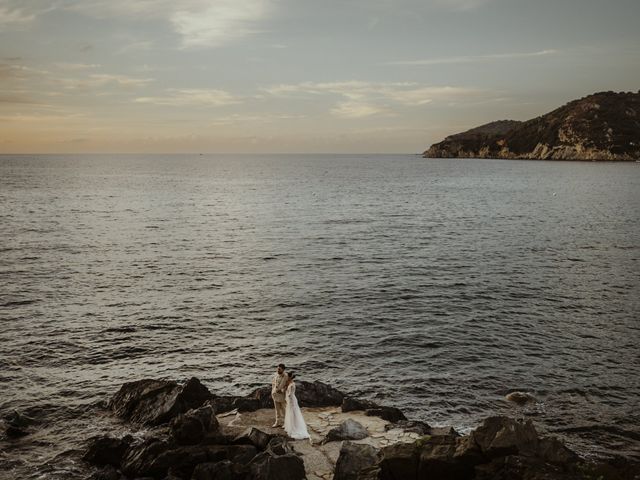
{"type": "Point", "coordinates": [169, 430]}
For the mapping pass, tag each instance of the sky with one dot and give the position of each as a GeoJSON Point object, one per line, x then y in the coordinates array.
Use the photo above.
{"type": "Point", "coordinates": [297, 76]}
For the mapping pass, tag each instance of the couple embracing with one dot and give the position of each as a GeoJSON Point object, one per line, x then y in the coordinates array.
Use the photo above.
{"type": "Point", "coordinates": [288, 414]}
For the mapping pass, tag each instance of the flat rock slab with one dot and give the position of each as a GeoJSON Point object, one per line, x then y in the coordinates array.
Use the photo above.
{"type": "Point", "coordinates": [319, 460]}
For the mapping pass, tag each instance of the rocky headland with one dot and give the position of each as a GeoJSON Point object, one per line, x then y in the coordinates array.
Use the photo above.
{"type": "Point", "coordinates": [181, 431]}
{"type": "Point", "coordinates": [603, 126]}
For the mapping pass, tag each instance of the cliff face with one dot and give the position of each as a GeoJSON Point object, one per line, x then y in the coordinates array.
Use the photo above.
{"type": "Point", "coordinates": [602, 126]}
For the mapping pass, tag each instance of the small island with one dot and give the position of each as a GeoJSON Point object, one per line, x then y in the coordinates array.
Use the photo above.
{"type": "Point", "coordinates": [604, 126]}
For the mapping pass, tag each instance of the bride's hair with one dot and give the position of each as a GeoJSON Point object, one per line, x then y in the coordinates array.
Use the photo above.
{"type": "Point", "coordinates": [292, 375]}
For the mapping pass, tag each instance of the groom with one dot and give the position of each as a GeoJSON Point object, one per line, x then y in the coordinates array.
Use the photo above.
{"type": "Point", "coordinates": [278, 385]}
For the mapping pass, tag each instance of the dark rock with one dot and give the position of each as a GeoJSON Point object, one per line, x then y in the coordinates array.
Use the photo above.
{"type": "Point", "coordinates": [255, 437]}
{"type": "Point", "coordinates": [17, 424]}
{"type": "Point", "coordinates": [138, 459]}
{"type": "Point", "coordinates": [183, 460]}
{"type": "Point", "coordinates": [15, 432]}
{"type": "Point", "coordinates": [390, 414]}
{"type": "Point", "coordinates": [352, 404]}
{"type": "Point", "coordinates": [106, 450]}
{"type": "Point", "coordinates": [108, 472]}
{"type": "Point", "coordinates": [501, 436]}
{"type": "Point", "coordinates": [449, 457]}
{"type": "Point", "coordinates": [399, 462]}
{"type": "Point", "coordinates": [309, 394]}
{"type": "Point", "coordinates": [413, 426]}
{"type": "Point", "coordinates": [520, 468]}
{"type": "Point", "coordinates": [279, 446]}
{"type": "Point", "coordinates": [520, 398]}
{"type": "Point", "coordinates": [372, 409]}
{"type": "Point", "coordinates": [224, 470]}
{"type": "Point", "coordinates": [246, 404]}
{"type": "Point", "coordinates": [266, 466]}
{"type": "Point", "coordinates": [347, 430]}
{"type": "Point", "coordinates": [154, 402]}
{"type": "Point", "coordinates": [191, 427]}
{"type": "Point", "coordinates": [353, 459]}
{"type": "Point", "coordinates": [443, 431]}
{"type": "Point", "coordinates": [552, 450]}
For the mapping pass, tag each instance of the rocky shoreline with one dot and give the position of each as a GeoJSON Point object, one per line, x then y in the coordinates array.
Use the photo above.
{"type": "Point", "coordinates": [604, 126]}
{"type": "Point", "coordinates": [183, 431]}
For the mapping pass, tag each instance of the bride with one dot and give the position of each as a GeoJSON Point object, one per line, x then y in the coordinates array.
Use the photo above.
{"type": "Point", "coordinates": [294, 423]}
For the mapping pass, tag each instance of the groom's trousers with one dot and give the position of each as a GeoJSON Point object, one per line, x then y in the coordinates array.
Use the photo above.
{"type": "Point", "coordinates": [280, 407]}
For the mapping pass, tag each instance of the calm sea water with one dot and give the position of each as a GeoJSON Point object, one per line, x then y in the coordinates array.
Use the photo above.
{"type": "Point", "coordinates": [437, 286]}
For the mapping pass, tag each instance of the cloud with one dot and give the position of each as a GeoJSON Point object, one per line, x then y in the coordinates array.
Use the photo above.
{"type": "Point", "coordinates": [76, 66]}
{"type": "Point", "coordinates": [222, 21]}
{"type": "Point", "coordinates": [13, 16]}
{"type": "Point", "coordinates": [355, 109]}
{"type": "Point", "coordinates": [461, 5]}
{"type": "Point", "coordinates": [359, 99]}
{"type": "Point", "coordinates": [199, 23]}
{"type": "Point", "coordinates": [473, 58]}
{"type": "Point", "coordinates": [195, 97]}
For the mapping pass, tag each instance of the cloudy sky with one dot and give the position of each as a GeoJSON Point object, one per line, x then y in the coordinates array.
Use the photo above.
{"type": "Point", "coordinates": [297, 75]}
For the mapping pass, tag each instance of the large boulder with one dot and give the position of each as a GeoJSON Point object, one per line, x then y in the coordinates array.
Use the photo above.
{"type": "Point", "coordinates": [390, 414]}
{"type": "Point", "coordinates": [190, 428]}
{"type": "Point", "coordinates": [255, 437]}
{"type": "Point", "coordinates": [372, 409]}
{"type": "Point", "coordinates": [267, 466]}
{"type": "Point", "coordinates": [347, 430]}
{"type": "Point", "coordinates": [106, 450]}
{"type": "Point", "coordinates": [138, 459]}
{"type": "Point", "coordinates": [224, 470]}
{"type": "Point", "coordinates": [447, 456]}
{"type": "Point", "coordinates": [309, 394]}
{"type": "Point", "coordinates": [399, 461]}
{"type": "Point", "coordinates": [151, 459]}
{"type": "Point", "coordinates": [353, 459]}
{"type": "Point", "coordinates": [501, 436]}
{"type": "Point", "coordinates": [154, 402]}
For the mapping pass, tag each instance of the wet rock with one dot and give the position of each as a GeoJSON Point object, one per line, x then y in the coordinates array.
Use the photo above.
{"type": "Point", "coordinates": [138, 459]}
{"type": "Point", "coordinates": [156, 459]}
{"type": "Point", "coordinates": [106, 450]}
{"type": "Point", "coordinates": [255, 437]}
{"type": "Point", "coordinates": [15, 432]}
{"type": "Point", "coordinates": [520, 398]}
{"type": "Point", "coordinates": [390, 414]}
{"type": "Point", "coordinates": [351, 404]}
{"type": "Point", "coordinates": [552, 450]}
{"type": "Point", "coordinates": [353, 459]}
{"type": "Point", "coordinates": [17, 424]}
{"type": "Point", "coordinates": [347, 430]}
{"type": "Point", "coordinates": [501, 436]}
{"type": "Point", "coordinates": [108, 472]}
{"type": "Point", "coordinates": [154, 402]}
{"type": "Point", "coordinates": [266, 466]}
{"type": "Point", "coordinates": [191, 427]}
{"type": "Point", "coordinates": [372, 409]}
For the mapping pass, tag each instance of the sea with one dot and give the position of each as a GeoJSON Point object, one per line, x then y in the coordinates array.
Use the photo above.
{"type": "Point", "coordinates": [434, 285]}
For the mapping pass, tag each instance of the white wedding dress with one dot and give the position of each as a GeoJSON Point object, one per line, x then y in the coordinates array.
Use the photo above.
{"type": "Point", "coordinates": [294, 423]}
